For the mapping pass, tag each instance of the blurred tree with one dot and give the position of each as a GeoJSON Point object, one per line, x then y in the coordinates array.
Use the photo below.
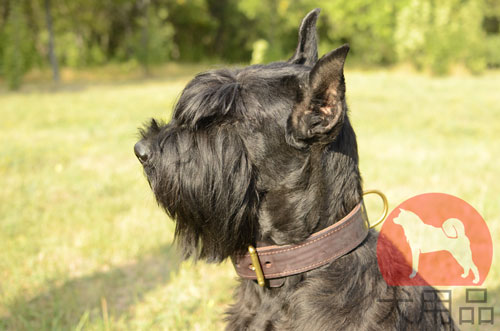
{"type": "Point", "coordinates": [428, 33]}
{"type": "Point", "coordinates": [491, 25]}
{"type": "Point", "coordinates": [436, 34]}
{"type": "Point", "coordinates": [153, 43]}
{"type": "Point", "coordinates": [367, 25]}
{"type": "Point", "coordinates": [276, 23]}
{"type": "Point", "coordinates": [269, 24]}
{"type": "Point", "coordinates": [145, 22]}
{"type": "Point", "coordinates": [193, 29]}
{"type": "Point", "coordinates": [17, 47]}
{"type": "Point", "coordinates": [52, 54]}
{"type": "Point", "coordinates": [230, 41]}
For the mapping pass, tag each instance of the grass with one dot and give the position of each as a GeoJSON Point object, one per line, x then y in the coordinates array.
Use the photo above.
{"type": "Point", "coordinates": [83, 245]}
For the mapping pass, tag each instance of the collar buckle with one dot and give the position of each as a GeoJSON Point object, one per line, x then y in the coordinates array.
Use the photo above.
{"type": "Point", "coordinates": [255, 266]}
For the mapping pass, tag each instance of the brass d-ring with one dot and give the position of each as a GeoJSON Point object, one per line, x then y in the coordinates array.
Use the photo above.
{"type": "Point", "coordinates": [386, 206]}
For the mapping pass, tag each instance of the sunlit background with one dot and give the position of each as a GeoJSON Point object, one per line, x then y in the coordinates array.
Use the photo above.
{"type": "Point", "coordinates": [83, 245]}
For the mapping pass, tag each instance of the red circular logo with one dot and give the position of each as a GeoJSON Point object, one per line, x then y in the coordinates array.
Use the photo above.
{"type": "Point", "coordinates": [434, 239]}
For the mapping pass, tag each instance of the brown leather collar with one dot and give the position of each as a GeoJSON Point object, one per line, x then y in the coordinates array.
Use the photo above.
{"type": "Point", "coordinates": [319, 249]}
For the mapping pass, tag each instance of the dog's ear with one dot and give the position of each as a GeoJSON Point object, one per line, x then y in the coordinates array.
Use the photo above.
{"type": "Point", "coordinates": [320, 114]}
{"type": "Point", "coordinates": [307, 49]}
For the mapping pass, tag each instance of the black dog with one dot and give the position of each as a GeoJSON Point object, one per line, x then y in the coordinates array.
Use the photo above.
{"type": "Point", "coordinates": [266, 154]}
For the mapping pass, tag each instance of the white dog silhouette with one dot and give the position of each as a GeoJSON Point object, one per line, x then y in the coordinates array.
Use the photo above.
{"type": "Point", "coordinates": [425, 238]}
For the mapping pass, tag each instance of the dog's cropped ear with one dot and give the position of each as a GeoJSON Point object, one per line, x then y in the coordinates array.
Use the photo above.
{"type": "Point", "coordinates": [319, 116]}
{"type": "Point", "coordinates": [307, 49]}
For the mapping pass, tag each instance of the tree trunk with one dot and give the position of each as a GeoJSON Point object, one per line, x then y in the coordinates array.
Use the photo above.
{"type": "Point", "coordinates": [5, 12]}
{"type": "Point", "coordinates": [52, 54]}
{"type": "Point", "coordinates": [145, 37]}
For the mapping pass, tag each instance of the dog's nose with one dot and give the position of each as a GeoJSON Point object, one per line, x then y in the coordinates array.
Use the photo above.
{"type": "Point", "coordinates": [141, 150]}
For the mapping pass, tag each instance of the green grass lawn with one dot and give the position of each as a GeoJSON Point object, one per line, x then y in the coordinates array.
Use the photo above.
{"type": "Point", "coordinates": [84, 246]}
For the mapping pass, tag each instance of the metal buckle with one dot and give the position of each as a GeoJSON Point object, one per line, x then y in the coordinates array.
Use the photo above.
{"type": "Point", "coordinates": [256, 265]}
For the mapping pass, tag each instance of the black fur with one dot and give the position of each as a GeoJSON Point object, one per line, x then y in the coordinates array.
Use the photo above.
{"type": "Point", "coordinates": [267, 153]}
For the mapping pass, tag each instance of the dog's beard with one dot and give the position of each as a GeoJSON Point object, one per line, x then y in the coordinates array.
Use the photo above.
{"type": "Point", "coordinates": [205, 182]}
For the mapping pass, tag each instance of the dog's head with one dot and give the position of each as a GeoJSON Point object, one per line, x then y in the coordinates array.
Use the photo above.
{"type": "Point", "coordinates": [235, 163]}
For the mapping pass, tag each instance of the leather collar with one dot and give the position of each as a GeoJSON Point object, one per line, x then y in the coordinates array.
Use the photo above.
{"type": "Point", "coordinates": [320, 248]}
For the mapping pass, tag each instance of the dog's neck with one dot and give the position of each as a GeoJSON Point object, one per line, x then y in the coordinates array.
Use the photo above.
{"type": "Point", "coordinates": [339, 178]}
{"type": "Point", "coordinates": [325, 189]}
